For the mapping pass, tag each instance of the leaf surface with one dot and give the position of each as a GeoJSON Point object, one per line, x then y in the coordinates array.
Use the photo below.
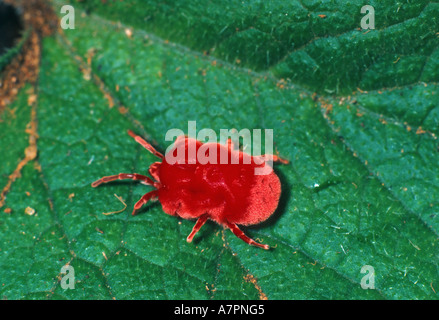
{"type": "Point", "coordinates": [360, 189]}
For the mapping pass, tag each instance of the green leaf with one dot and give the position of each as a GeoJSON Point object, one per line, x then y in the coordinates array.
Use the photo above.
{"type": "Point", "coordinates": [360, 189]}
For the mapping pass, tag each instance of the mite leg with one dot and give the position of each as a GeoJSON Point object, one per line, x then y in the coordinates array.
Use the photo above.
{"type": "Point", "coordinates": [234, 228]}
{"type": "Point", "coordinates": [154, 170]}
{"type": "Point", "coordinates": [146, 197]}
{"type": "Point", "coordinates": [145, 144]}
{"type": "Point", "coordinates": [274, 158]}
{"type": "Point", "coordinates": [122, 176]}
{"type": "Point", "coordinates": [197, 227]}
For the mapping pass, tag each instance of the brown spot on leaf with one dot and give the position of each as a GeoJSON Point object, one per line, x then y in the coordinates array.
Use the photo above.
{"type": "Point", "coordinates": [250, 278]}
{"type": "Point", "coordinates": [39, 18]}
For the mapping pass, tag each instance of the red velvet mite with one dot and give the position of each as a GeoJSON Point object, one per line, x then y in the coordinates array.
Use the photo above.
{"type": "Point", "coordinates": [229, 194]}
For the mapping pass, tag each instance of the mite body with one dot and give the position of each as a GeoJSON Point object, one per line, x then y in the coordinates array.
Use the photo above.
{"type": "Point", "coordinates": [229, 194]}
